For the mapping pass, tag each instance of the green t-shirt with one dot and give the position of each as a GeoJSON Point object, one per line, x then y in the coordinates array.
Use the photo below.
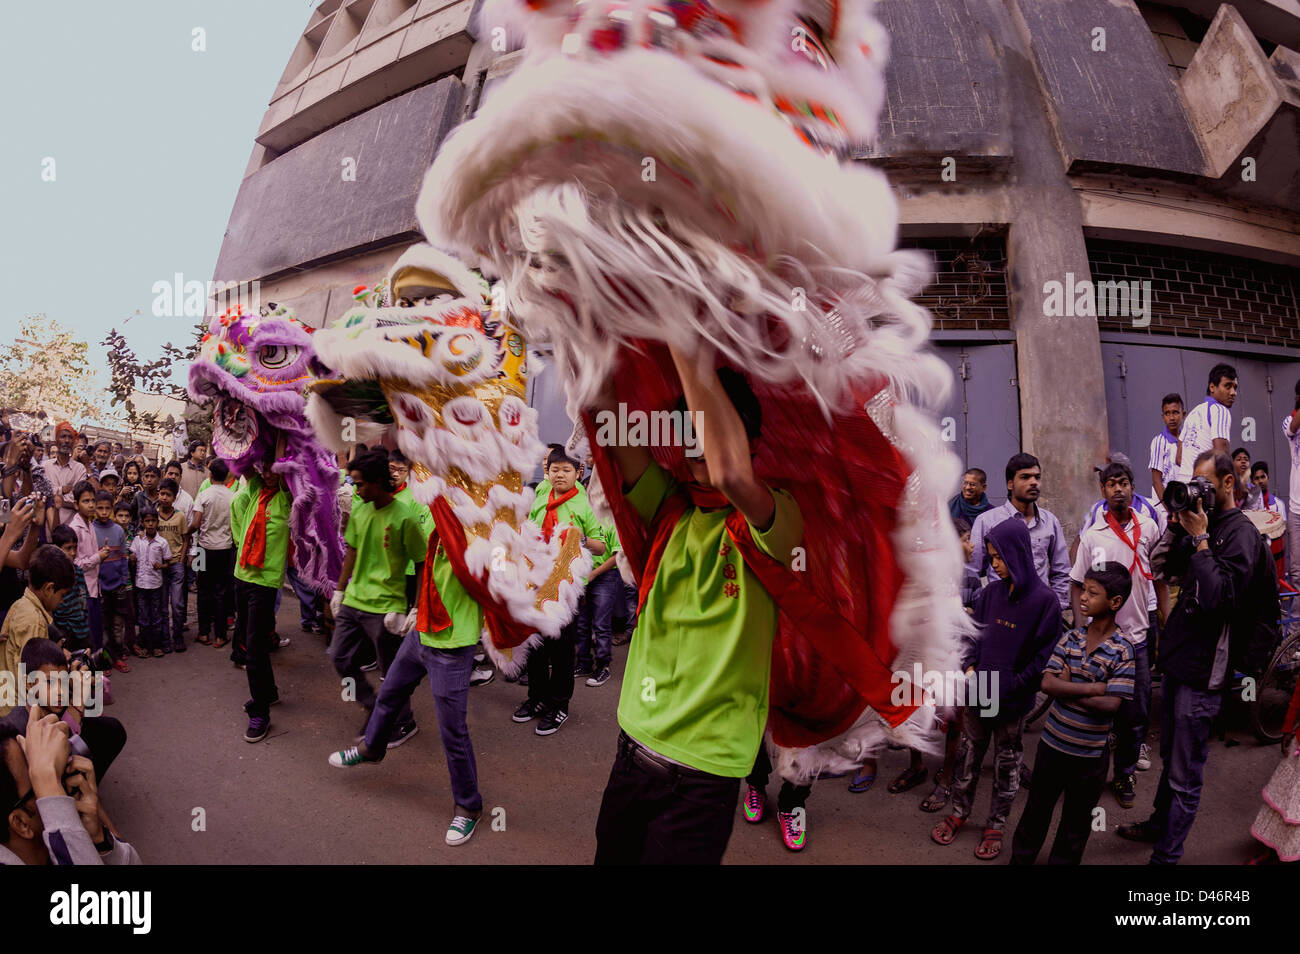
{"type": "Point", "coordinates": [466, 615]}
{"type": "Point", "coordinates": [610, 535]}
{"type": "Point", "coordinates": [243, 507]}
{"type": "Point", "coordinates": [385, 541]}
{"type": "Point", "coordinates": [421, 511]}
{"type": "Point", "coordinates": [696, 684]}
{"type": "Point", "coordinates": [576, 511]}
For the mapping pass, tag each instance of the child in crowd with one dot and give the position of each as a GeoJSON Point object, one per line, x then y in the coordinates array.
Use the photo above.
{"type": "Point", "coordinates": [551, 666]}
{"type": "Point", "coordinates": [50, 579]}
{"type": "Point", "coordinates": [215, 570]}
{"type": "Point", "coordinates": [949, 717]}
{"type": "Point", "coordinates": [259, 525]}
{"type": "Point", "coordinates": [71, 617]}
{"type": "Point", "coordinates": [149, 555]}
{"type": "Point", "coordinates": [114, 581]}
{"type": "Point", "coordinates": [1020, 618]}
{"type": "Point", "coordinates": [126, 605]}
{"type": "Point", "coordinates": [89, 554]}
{"type": "Point", "coordinates": [1090, 674]}
{"type": "Point", "coordinates": [173, 526]}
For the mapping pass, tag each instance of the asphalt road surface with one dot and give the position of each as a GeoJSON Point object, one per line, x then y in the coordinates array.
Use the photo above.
{"type": "Point", "coordinates": [188, 790]}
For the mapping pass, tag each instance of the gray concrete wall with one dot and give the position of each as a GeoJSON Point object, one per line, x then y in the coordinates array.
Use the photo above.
{"type": "Point", "coordinates": [300, 210]}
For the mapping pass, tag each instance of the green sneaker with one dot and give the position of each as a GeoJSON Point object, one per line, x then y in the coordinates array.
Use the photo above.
{"type": "Point", "coordinates": [349, 758]}
{"type": "Point", "coordinates": [462, 827]}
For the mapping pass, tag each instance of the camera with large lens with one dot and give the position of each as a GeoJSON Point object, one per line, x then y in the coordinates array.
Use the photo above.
{"type": "Point", "coordinates": [96, 660]}
{"type": "Point", "coordinates": [1181, 496]}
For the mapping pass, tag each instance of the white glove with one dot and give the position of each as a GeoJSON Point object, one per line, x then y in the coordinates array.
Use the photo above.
{"type": "Point", "coordinates": [399, 624]}
{"type": "Point", "coordinates": [336, 603]}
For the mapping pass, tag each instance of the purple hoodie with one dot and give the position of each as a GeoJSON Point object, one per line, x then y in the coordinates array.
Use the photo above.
{"type": "Point", "coordinates": [1019, 628]}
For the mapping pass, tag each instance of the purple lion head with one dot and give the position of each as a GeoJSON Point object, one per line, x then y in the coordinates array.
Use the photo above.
{"type": "Point", "coordinates": [256, 368]}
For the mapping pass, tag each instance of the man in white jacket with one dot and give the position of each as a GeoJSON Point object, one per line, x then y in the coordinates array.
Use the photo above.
{"type": "Point", "coordinates": [51, 801]}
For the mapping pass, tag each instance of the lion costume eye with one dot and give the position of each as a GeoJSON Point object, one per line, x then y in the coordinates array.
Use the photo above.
{"type": "Point", "coordinates": [278, 356]}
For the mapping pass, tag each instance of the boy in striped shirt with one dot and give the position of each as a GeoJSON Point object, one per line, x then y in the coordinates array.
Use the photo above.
{"type": "Point", "coordinates": [1090, 674]}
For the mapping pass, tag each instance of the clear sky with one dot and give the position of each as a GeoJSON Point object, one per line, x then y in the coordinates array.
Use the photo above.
{"type": "Point", "coordinates": [149, 139]}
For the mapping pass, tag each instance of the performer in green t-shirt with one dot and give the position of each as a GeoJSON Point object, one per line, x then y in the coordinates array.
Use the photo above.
{"type": "Point", "coordinates": [259, 523]}
{"type": "Point", "coordinates": [551, 666]}
{"type": "Point", "coordinates": [384, 534]}
{"type": "Point", "coordinates": [694, 701]}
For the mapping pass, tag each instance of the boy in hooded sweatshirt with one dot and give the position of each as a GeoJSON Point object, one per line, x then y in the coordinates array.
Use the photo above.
{"type": "Point", "coordinates": [1020, 619]}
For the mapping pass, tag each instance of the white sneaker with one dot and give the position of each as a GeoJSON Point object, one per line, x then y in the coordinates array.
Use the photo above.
{"type": "Point", "coordinates": [481, 676]}
{"type": "Point", "coordinates": [461, 830]}
{"type": "Point", "coordinates": [1144, 758]}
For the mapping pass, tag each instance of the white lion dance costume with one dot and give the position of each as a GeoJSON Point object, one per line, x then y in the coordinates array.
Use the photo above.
{"type": "Point", "coordinates": [426, 353]}
{"type": "Point", "coordinates": [680, 174]}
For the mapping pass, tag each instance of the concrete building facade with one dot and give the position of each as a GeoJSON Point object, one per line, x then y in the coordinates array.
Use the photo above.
{"type": "Point", "coordinates": [1036, 146]}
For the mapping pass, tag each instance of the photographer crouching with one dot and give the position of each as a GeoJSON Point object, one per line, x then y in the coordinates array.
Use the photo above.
{"type": "Point", "coordinates": [1228, 598]}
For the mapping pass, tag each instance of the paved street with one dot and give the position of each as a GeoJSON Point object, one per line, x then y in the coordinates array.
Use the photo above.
{"type": "Point", "coordinates": [280, 802]}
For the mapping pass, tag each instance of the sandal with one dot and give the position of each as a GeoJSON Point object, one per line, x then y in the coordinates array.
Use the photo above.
{"type": "Point", "coordinates": [862, 783]}
{"type": "Point", "coordinates": [908, 780]}
{"type": "Point", "coordinates": [140, 651]}
{"type": "Point", "coordinates": [204, 639]}
{"type": "Point", "coordinates": [990, 845]}
{"type": "Point", "coordinates": [158, 654]}
{"type": "Point", "coordinates": [219, 643]}
{"type": "Point", "coordinates": [937, 800]}
{"type": "Point", "coordinates": [944, 832]}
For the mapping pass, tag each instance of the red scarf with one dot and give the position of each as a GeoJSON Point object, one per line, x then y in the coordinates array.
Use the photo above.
{"type": "Point", "coordinates": [828, 632]}
{"type": "Point", "coordinates": [1132, 545]}
{"type": "Point", "coordinates": [552, 508]}
{"type": "Point", "coordinates": [253, 553]}
{"type": "Point", "coordinates": [431, 614]}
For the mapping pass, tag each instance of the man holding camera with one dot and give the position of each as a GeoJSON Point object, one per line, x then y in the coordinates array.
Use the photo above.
{"type": "Point", "coordinates": [1228, 589]}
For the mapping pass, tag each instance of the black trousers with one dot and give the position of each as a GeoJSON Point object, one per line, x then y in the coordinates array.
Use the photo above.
{"type": "Point", "coordinates": [654, 816]}
{"type": "Point", "coordinates": [215, 582]}
{"type": "Point", "coordinates": [790, 797]}
{"type": "Point", "coordinates": [1081, 781]}
{"type": "Point", "coordinates": [105, 737]}
{"type": "Point", "coordinates": [550, 670]}
{"type": "Point", "coordinates": [115, 603]}
{"type": "Point", "coordinates": [254, 625]}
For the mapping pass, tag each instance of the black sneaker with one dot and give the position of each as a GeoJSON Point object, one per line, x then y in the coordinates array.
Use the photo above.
{"type": "Point", "coordinates": [258, 727]}
{"type": "Point", "coordinates": [551, 722]}
{"type": "Point", "coordinates": [528, 711]}
{"type": "Point", "coordinates": [599, 678]}
{"type": "Point", "coordinates": [402, 734]}
{"type": "Point", "coordinates": [1123, 786]}
{"type": "Point", "coordinates": [1144, 832]}
{"type": "Point", "coordinates": [582, 669]}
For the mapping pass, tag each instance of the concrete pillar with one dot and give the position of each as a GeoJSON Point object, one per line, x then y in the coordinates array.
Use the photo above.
{"type": "Point", "coordinates": [1058, 359]}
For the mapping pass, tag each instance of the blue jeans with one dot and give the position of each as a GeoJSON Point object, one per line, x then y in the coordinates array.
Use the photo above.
{"type": "Point", "coordinates": [174, 586]}
{"type": "Point", "coordinates": [1184, 747]}
{"type": "Point", "coordinates": [309, 613]}
{"type": "Point", "coordinates": [448, 671]}
{"type": "Point", "coordinates": [151, 617]}
{"type": "Point", "coordinates": [1134, 715]}
{"type": "Point", "coordinates": [596, 619]}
